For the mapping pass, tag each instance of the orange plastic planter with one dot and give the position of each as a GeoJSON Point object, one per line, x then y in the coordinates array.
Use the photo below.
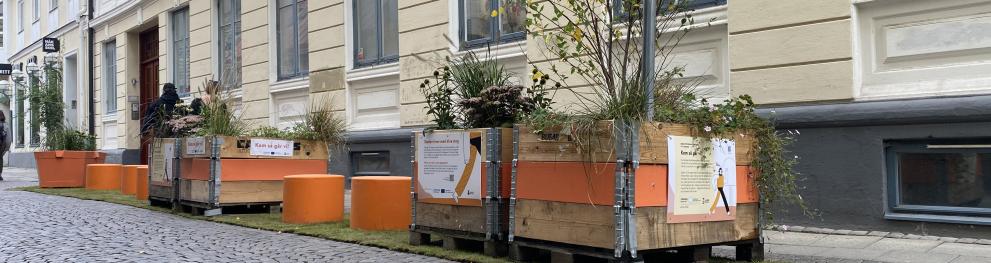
{"type": "Point", "coordinates": [380, 202]}
{"type": "Point", "coordinates": [103, 176]}
{"type": "Point", "coordinates": [65, 168]}
{"type": "Point", "coordinates": [128, 182]}
{"type": "Point", "coordinates": [312, 198]}
{"type": "Point", "coordinates": [141, 183]}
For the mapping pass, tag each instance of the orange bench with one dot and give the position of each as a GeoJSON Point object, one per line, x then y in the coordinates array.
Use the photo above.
{"type": "Point", "coordinates": [141, 184]}
{"type": "Point", "coordinates": [128, 181]}
{"type": "Point", "coordinates": [380, 202]}
{"type": "Point", "coordinates": [103, 176]}
{"type": "Point", "coordinates": [312, 198]}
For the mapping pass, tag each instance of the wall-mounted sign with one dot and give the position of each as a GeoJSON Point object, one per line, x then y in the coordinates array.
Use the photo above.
{"type": "Point", "coordinates": [5, 69]}
{"type": "Point", "coordinates": [49, 44]}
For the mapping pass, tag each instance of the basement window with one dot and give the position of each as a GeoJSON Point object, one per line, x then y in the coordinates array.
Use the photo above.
{"type": "Point", "coordinates": [370, 163]}
{"type": "Point", "coordinates": [939, 178]}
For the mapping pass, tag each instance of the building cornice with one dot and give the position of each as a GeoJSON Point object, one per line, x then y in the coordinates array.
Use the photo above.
{"type": "Point", "coordinates": [37, 43]}
{"type": "Point", "coordinates": [114, 14]}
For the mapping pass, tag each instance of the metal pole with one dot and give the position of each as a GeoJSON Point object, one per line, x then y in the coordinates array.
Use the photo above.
{"type": "Point", "coordinates": [647, 60]}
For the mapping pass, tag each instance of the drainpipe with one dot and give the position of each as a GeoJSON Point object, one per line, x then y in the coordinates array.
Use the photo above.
{"type": "Point", "coordinates": [89, 61]}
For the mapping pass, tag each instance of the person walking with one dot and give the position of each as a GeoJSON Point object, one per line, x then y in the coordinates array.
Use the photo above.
{"type": "Point", "coordinates": [160, 109]}
{"type": "Point", "coordinates": [5, 140]}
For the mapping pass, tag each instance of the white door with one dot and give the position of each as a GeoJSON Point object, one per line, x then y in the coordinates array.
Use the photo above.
{"type": "Point", "coordinates": [69, 94]}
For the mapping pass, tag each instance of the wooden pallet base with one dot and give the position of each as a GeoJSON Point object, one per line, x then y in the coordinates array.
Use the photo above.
{"type": "Point", "coordinates": [161, 202]}
{"type": "Point", "coordinates": [203, 209]}
{"type": "Point", "coordinates": [529, 250]}
{"type": "Point", "coordinates": [458, 240]}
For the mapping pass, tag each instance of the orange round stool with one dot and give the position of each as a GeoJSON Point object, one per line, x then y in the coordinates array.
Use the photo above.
{"type": "Point", "coordinates": [103, 176]}
{"type": "Point", "coordinates": [141, 183]}
{"type": "Point", "coordinates": [129, 180]}
{"type": "Point", "coordinates": [312, 198]}
{"type": "Point", "coordinates": [380, 202]}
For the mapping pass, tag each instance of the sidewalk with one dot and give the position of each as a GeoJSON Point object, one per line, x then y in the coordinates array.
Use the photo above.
{"type": "Point", "coordinates": [809, 245]}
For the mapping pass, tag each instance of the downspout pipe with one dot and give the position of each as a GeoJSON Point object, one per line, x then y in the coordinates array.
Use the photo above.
{"type": "Point", "coordinates": [89, 61]}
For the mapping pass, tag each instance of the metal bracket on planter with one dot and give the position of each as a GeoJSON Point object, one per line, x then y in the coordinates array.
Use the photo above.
{"type": "Point", "coordinates": [631, 187]}
{"type": "Point", "coordinates": [215, 171]}
{"type": "Point", "coordinates": [512, 183]}
{"type": "Point", "coordinates": [492, 172]}
{"type": "Point", "coordinates": [412, 181]}
{"type": "Point", "coordinates": [176, 178]}
{"type": "Point", "coordinates": [618, 211]}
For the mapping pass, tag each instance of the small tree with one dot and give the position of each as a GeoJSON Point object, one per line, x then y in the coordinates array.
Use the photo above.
{"type": "Point", "coordinates": [48, 111]}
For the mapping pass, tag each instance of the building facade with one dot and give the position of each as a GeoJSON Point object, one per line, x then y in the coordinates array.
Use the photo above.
{"type": "Point", "coordinates": [890, 96]}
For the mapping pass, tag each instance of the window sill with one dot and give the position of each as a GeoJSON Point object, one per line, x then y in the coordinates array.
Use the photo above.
{"type": "Point", "coordinates": [289, 85]}
{"type": "Point", "coordinates": [372, 72]}
{"type": "Point", "coordinates": [109, 117]}
{"type": "Point", "coordinates": [501, 51]}
{"type": "Point", "coordinates": [970, 220]}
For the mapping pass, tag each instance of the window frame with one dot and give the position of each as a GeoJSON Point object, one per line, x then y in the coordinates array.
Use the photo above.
{"type": "Point", "coordinates": [300, 69]}
{"type": "Point", "coordinates": [235, 24]}
{"type": "Point", "coordinates": [893, 181]}
{"type": "Point", "coordinates": [618, 13]}
{"type": "Point", "coordinates": [18, 116]}
{"type": "Point", "coordinates": [494, 31]}
{"type": "Point", "coordinates": [110, 76]}
{"type": "Point", "coordinates": [36, 12]}
{"type": "Point", "coordinates": [20, 16]}
{"type": "Point", "coordinates": [53, 4]}
{"type": "Point", "coordinates": [379, 38]}
{"type": "Point", "coordinates": [357, 155]}
{"type": "Point", "coordinates": [34, 123]}
{"type": "Point", "coordinates": [175, 38]}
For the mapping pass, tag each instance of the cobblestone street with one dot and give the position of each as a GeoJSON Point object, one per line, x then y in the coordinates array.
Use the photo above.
{"type": "Point", "coordinates": [41, 228]}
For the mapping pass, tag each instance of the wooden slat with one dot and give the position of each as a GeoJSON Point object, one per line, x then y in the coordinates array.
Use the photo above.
{"type": "Point", "coordinates": [654, 232]}
{"type": "Point", "coordinates": [653, 145]}
{"type": "Point", "coordinates": [452, 217]}
{"type": "Point", "coordinates": [237, 147]}
{"type": "Point", "coordinates": [587, 225]}
{"type": "Point", "coordinates": [237, 192]}
{"type": "Point", "coordinates": [579, 224]}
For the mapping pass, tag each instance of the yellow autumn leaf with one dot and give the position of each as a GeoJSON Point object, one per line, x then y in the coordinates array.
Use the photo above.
{"type": "Point", "coordinates": [577, 34]}
{"type": "Point", "coordinates": [495, 13]}
{"type": "Point", "coordinates": [502, 10]}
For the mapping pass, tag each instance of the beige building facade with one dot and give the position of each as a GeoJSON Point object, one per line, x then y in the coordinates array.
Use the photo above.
{"type": "Point", "coordinates": [868, 83]}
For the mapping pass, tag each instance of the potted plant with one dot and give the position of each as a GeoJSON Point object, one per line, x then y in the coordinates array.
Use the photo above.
{"type": "Point", "coordinates": [620, 165]}
{"type": "Point", "coordinates": [462, 163]}
{"type": "Point", "coordinates": [224, 163]}
{"type": "Point", "coordinates": [66, 151]}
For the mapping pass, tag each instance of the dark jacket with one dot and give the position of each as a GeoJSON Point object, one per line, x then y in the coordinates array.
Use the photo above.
{"type": "Point", "coordinates": [158, 111]}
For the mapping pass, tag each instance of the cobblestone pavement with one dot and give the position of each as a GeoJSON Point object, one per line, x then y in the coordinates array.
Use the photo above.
{"type": "Point", "coordinates": [42, 228]}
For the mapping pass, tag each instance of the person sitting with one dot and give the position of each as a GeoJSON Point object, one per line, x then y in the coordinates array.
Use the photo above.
{"type": "Point", "coordinates": [160, 110]}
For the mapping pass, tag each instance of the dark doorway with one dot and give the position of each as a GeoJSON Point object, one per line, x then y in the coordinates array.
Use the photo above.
{"type": "Point", "coordinates": [149, 81]}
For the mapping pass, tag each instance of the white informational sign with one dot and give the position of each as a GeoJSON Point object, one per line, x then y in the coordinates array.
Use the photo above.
{"type": "Point", "coordinates": [268, 147]}
{"type": "Point", "coordinates": [449, 167]}
{"type": "Point", "coordinates": [168, 151]}
{"type": "Point", "coordinates": [196, 145]}
{"type": "Point", "coordinates": [701, 184]}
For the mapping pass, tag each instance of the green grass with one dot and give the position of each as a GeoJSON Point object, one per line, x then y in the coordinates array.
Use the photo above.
{"type": "Point", "coordinates": [338, 231]}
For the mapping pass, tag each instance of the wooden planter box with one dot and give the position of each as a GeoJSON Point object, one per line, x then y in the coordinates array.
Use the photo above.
{"type": "Point", "coordinates": [220, 171]}
{"type": "Point", "coordinates": [481, 217]}
{"type": "Point", "coordinates": [162, 167]}
{"type": "Point", "coordinates": [561, 199]}
{"type": "Point", "coordinates": [65, 168]}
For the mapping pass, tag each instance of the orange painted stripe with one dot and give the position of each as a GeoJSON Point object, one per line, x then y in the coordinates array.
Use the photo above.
{"type": "Point", "coordinates": [252, 169]}
{"type": "Point", "coordinates": [577, 182]}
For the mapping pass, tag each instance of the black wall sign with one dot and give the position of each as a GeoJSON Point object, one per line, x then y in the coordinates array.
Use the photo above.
{"type": "Point", "coordinates": [5, 69]}
{"type": "Point", "coordinates": [49, 44]}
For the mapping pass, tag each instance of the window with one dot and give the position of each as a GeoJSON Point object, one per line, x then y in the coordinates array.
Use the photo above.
{"type": "Point", "coordinates": [376, 32]}
{"type": "Point", "coordinates": [110, 76]}
{"type": "Point", "coordinates": [370, 163]}
{"type": "Point", "coordinates": [35, 112]}
{"type": "Point", "coordinates": [293, 45]}
{"type": "Point", "coordinates": [20, 16]}
{"type": "Point", "coordinates": [36, 14]}
{"type": "Point", "coordinates": [485, 22]}
{"type": "Point", "coordinates": [230, 43]}
{"type": "Point", "coordinates": [52, 5]}
{"type": "Point", "coordinates": [19, 116]}
{"type": "Point", "coordinates": [687, 5]}
{"type": "Point", "coordinates": [940, 177]}
{"type": "Point", "coordinates": [180, 51]}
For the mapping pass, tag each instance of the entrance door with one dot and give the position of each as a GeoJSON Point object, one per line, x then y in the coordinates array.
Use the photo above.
{"type": "Point", "coordinates": [70, 99]}
{"type": "Point", "coordinates": [149, 81]}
